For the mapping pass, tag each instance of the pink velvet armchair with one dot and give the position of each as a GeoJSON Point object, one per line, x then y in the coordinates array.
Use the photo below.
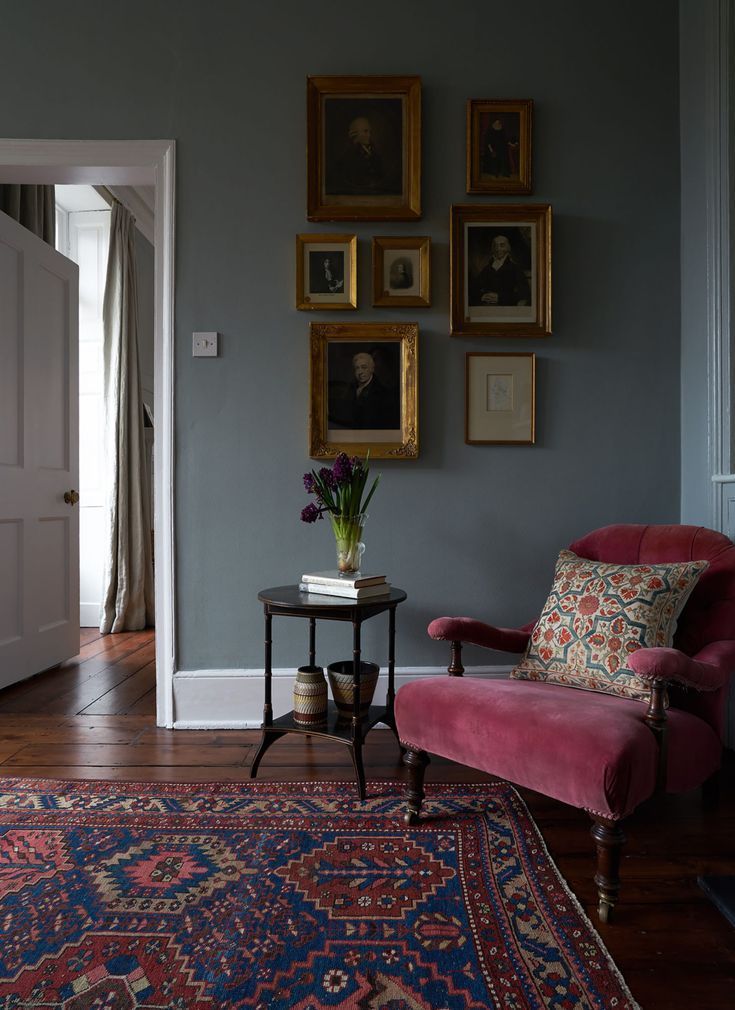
{"type": "Point", "coordinates": [599, 752]}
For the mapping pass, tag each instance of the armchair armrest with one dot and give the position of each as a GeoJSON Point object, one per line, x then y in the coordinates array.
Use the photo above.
{"type": "Point", "coordinates": [465, 629]}
{"type": "Point", "coordinates": [709, 670]}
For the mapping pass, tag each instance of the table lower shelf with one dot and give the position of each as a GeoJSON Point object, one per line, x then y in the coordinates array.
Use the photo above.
{"type": "Point", "coordinates": [334, 727]}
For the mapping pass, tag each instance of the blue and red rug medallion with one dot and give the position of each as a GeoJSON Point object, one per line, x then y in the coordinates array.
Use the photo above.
{"type": "Point", "coordinates": [209, 897]}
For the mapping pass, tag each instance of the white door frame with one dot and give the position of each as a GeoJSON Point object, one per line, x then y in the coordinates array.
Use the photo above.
{"type": "Point", "coordinates": [132, 163]}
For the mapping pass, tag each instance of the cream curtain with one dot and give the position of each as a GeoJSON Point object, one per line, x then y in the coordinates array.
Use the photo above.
{"type": "Point", "coordinates": [32, 206]}
{"type": "Point", "coordinates": [127, 602]}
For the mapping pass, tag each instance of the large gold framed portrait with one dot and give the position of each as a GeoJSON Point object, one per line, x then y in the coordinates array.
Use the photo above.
{"type": "Point", "coordinates": [499, 145]}
{"type": "Point", "coordinates": [363, 390]}
{"type": "Point", "coordinates": [363, 148]}
{"type": "Point", "coordinates": [500, 267]}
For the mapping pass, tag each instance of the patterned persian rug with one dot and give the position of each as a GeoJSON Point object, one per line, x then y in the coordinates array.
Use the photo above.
{"type": "Point", "coordinates": [204, 897]}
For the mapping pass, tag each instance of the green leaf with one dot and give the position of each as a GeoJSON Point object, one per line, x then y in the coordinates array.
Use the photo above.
{"type": "Point", "coordinates": [370, 495]}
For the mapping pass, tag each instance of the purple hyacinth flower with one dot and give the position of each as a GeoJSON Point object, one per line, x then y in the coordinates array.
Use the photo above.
{"type": "Point", "coordinates": [309, 483]}
{"type": "Point", "coordinates": [342, 468]}
{"type": "Point", "coordinates": [327, 477]}
{"type": "Point", "coordinates": [310, 513]}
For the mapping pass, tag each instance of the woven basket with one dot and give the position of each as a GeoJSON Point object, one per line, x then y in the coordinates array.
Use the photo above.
{"type": "Point", "coordinates": [342, 686]}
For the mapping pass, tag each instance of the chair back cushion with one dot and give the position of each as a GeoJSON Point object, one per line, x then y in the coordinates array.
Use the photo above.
{"type": "Point", "coordinates": [709, 615]}
{"type": "Point", "coordinates": [598, 614]}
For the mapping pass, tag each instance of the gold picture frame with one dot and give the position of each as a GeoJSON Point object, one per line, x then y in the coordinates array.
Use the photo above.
{"type": "Point", "coordinates": [500, 398]}
{"type": "Point", "coordinates": [401, 271]}
{"type": "Point", "coordinates": [326, 272]}
{"type": "Point", "coordinates": [499, 145]}
{"type": "Point", "coordinates": [363, 390]}
{"type": "Point", "coordinates": [363, 150]}
{"type": "Point", "coordinates": [500, 269]}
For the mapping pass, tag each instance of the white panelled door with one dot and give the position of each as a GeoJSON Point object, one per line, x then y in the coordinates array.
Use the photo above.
{"type": "Point", "coordinates": [39, 454]}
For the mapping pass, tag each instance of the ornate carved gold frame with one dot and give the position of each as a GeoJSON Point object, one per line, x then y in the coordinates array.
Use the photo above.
{"type": "Point", "coordinates": [322, 444]}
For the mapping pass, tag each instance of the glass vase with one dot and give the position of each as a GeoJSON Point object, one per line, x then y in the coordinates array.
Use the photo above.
{"type": "Point", "coordinates": [348, 538]}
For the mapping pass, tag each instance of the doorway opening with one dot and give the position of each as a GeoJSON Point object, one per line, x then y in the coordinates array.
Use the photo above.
{"type": "Point", "coordinates": [131, 164]}
{"type": "Point", "coordinates": [83, 235]}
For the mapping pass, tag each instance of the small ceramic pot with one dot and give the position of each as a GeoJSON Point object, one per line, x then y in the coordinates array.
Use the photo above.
{"type": "Point", "coordinates": [342, 686]}
{"type": "Point", "coordinates": [310, 696]}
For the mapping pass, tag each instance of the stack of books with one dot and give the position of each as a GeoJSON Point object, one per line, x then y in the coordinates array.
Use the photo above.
{"type": "Point", "coordinates": [355, 587]}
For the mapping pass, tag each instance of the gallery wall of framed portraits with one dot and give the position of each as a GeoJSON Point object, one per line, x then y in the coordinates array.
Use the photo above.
{"type": "Point", "coordinates": [364, 165]}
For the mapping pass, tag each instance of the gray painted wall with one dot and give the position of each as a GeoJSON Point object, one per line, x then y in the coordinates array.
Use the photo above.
{"type": "Point", "coordinates": [471, 530]}
{"type": "Point", "coordinates": [696, 468]}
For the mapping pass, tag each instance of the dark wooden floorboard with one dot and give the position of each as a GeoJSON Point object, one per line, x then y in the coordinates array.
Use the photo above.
{"type": "Point", "coordinates": [94, 718]}
{"type": "Point", "coordinates": [126, 688]}
{"type": "Point", "coordinates": [45, 692]}
{"type": "Point", "coordinates": [146, 704]}
{"type": "Point", "coordinates": [87, 635]}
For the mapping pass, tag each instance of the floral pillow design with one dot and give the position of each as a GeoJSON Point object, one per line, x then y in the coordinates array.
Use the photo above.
{"type": "Point", "coordinates": [598, 614]}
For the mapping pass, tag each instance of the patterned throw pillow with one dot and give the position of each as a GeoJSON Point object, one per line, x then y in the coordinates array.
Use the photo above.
{"type": "Point", "coordinates": [598, 614]}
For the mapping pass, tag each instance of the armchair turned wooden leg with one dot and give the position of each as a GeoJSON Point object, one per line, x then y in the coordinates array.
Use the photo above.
{"type": "Point", "coordinates": [416, 762]}
{"type": "Point", "coordinates": [609, 840]}
{"type": "Point", "coordinates": [455, 668]}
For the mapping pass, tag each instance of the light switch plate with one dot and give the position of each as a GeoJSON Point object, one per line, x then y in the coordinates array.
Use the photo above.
{"type": "Point", "coordinates": [204, 345]}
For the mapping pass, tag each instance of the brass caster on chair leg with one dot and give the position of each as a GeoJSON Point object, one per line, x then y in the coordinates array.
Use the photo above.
{"type": "Point", "coordinates": [609, 840]}
{"type": "Point", "coordinates": [605, 911]}
{"type": "Point", "coordinates": [411, 817]}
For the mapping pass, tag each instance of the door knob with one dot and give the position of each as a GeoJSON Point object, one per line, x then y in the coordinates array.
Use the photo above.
{"type": "Point", "coordinates": [71, 497]}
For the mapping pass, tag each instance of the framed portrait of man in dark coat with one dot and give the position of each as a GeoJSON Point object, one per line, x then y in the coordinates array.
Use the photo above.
{"type": "Point", "coordinates": [401, 270]}
{"type": "Point", "coordinates": [499, 146]}
{"type": "Point", "coordinates": [326, 271]}
{"type": "Point", "coordinates": [363, 148]}
{"type": "Point", "coordinates": [501, 270]}
{"type": "Point", "coordinates": [363, 389]}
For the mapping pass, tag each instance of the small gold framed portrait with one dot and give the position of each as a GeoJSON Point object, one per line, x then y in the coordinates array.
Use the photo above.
{"type": "Point", "coordinates": [363, 390]}
{"type": "Point", "coordinates": [500, 267]}
{"type": "Point", "coordinates": [401, 271]}
{"type": "Point", "coordinates": [500, 398]}
{"type": "Point", "coordinates": [326, 272]}
{"type": "Point", "coordinates": [363, 148]}
{"type": "Point", "coordinates": [499, 145]}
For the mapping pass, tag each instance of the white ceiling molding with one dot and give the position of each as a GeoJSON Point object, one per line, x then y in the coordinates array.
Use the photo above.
{"type": "Point", "coordinates": [79, 198]}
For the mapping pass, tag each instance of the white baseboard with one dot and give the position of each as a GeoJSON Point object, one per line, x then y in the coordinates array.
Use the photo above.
{"type": "Point", "coordinates": [89, 615]}
{"type": "Point", "coordinates": [233, 699]}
